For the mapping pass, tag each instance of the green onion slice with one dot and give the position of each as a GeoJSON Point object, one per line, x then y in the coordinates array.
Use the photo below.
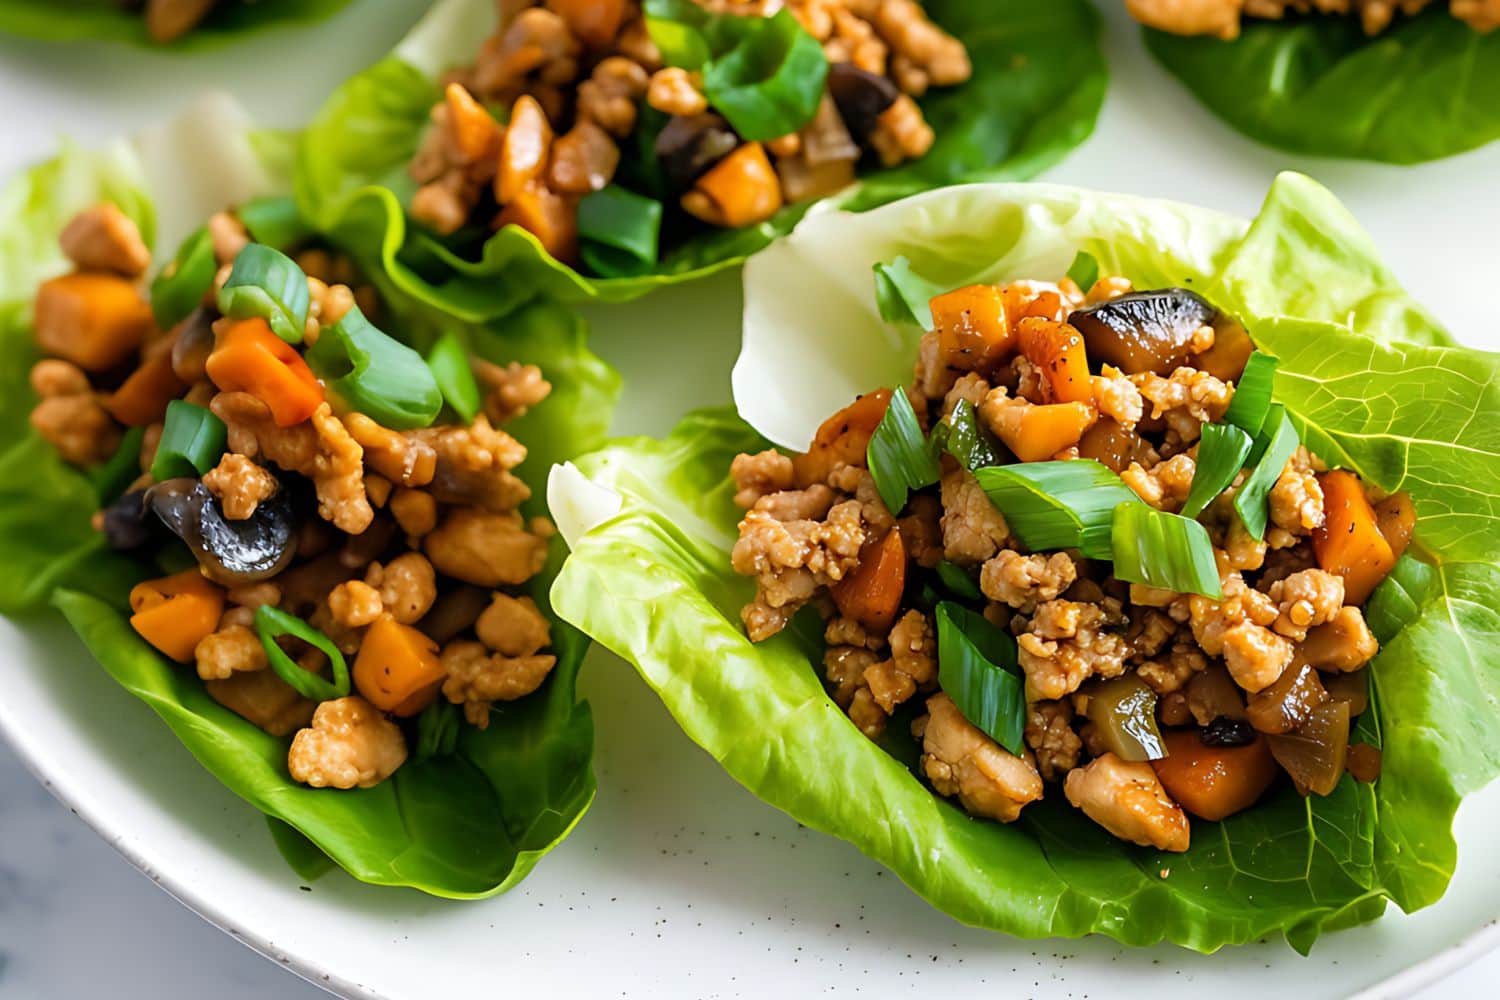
{"type": "Point", "coordinates": [1084, 271]}
{"type": "Point", "coordinates": [620, 230]}
{"type": "Point", "coordinates": [273, 622]}
{"type": "Point", "coordinates": [449, 362]}
{"type": "Point", "coordinates": [1059, 505]}
{"type": "Point", "coordinates": [771, 82]}
{"type": "Point", "coordinates": [903, 295]}
{"type": "Point", "coordinates": [899, 457]}
{"type": "Point", "coordinates": [1221, 455]}
{"type": "Point", "coordinates": [1252, 394]}
{"type": "Point", "coordinates": [437, 730]}
{"type": "Point", "coordinates": [977, 668]}
{"type": "Point", "coordinates": [111, 479]}
{"type": "Point", "coordinates": [687, 35]}
{"type": "Point", "coordinates": [374, 374]}
{"type": "Point", "coordinates": [959, 581]}
{"type": "Point", "coordinates": [1278, 440]}
{"type": "Point", "coordinates": [192, 442]}
{"type": "Point", "coordinates": [1163, 550]}
{"type": "Point", "coordinates": [267, 284]}
{"type": "Point", "coordinates": [275, 222]}
{"type": "Point", "coordinates": [970, 441]}
{"type": "Point", "coordinates": [181, 285]}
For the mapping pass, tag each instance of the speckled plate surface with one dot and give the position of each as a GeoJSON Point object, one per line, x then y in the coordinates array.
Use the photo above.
{"type": "Point", "coordinates": [679, 883]}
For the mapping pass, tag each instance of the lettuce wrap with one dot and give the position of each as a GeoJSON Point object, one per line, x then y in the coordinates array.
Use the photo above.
{"type": "Point", "coordinates": [1421, 90]}
{"type": "Point", "coordinates": [468, 824]}
{"type": "Point", "coordinates": [1038, 85]}
{"type": "Point", "coordinates": [109, 20]}
{"type": "Point", "coordinates": [1374, 384]}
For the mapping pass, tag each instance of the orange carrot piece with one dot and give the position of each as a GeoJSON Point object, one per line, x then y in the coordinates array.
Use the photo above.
{"type": "Point", "coordinates": [973, 329]}
{"type": "Point", "coordinates": [397, 669]}
{"type": "Point", "coordinates": [594, 22]}
{"type": "Point", "coordinates": [143, 397]}
{"type": "Point", "coordinates": [475, 131]}
{"type": "Point", "coordinates": [94, 320]}
{"type": "Point", "coordinates": [523, 150]}
{"type": "Point", "coordinates": [1058, 351]}
{"type": "Point", "coordinates": [871, 595]}
{"type": "Point", "coordinates": [250, 358]}
{"type": "Point", "coordinates": [1349, 543]}
{"type": "Point", "coordinates": [843, 437]}
{"type": "Point", "coordinates": [1214, 782]}
{"type": "Point", "coordinates": [551, 218]}
{"type": "Point", "coordinates": [175, 613]}
{"type": "Point", "coordinates": [743, 188]}
{"type": "Point", "coordinates": [1397, 518]}
{"type": "Point", "coordinates": [1037, 433]}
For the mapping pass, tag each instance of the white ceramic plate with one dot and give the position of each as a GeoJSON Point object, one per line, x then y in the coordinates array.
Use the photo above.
{"type": "Point", "coordinates": [679, 883]}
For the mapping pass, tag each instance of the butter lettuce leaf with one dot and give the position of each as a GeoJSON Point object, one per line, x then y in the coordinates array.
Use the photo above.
{"type": "Point", "coordinates": [1421, 90]}
{"type": "Point", "coordinates": [1038, 85]}
{"type": "Point", "coordinates": [1373, 384]}
{"type": "Point", "coordinates": [109, 20]}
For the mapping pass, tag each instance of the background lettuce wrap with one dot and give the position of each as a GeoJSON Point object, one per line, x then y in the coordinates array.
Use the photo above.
{"type": "Point", "coordinates": [1038, 85]}
{"type": "Point", "coordinates": [109, 20]}
{"type": "Point", "coordinates": [1375, 385]}
{"type": "Point", "coordinates": [466, 825]}
{"type": "Point", "coordinates": [1421, 90]}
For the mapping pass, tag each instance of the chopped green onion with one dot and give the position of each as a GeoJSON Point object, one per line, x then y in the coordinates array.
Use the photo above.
{"type": "Point", "coordinates": [1084, 271]}
{"type": "Point", "coordinates": [181, 285]}
{"type": "Point", "coordinates": [1058, 505]}
{"type": "Point", "coordinates": [1252, 394]}
{"type": "Point", "coordinates": [969, 441]}
{"type": "Point", "coordinates": [374, 374]}
{"type": "Point", "coordinates": [1221, 455]}
{"type": "Point", "coordinates": [449, 362]}
{"type": "Point", "coordinates": [771, 82]}
{"type": "Point", "coordinates": [437, 730]}
{"type": "Point", "coordinates": [899, 457]}
{"type": "Point", "coordinates": [977, 668]}
{"type": "Point", "coordinates": [275, 222]}
{"type": "Point", "coordinates": [680, 30]}
{"type": "Point", "coordinates": [959, 581]}
{"type": "Point", "coordinates": [270, 623]}
{"type": "Point", "coordinates": [192, 441]}
{"type": "Point", "coordinates": [619, 229]}
{"type": "Point", "coordinates": [903, 295]}
{"type": "Point", "coordinates": [267, 284]}
{"type": "Point", "coordinates": [1278, 440]}
{"type": "Point", "coordinates": [124, 466]}
{"type": "Point", "coordinates": [1162, 550]}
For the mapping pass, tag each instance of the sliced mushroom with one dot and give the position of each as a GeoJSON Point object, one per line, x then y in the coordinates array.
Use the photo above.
{"type": "Point", "coordinates": [195, 341]}
{"type": "Point", "coordinates": [1143, 331]}
{"type": "Point", "coordinates": [690, 144]}
{"type": "Point", "coordinates": [126, 526]}
{"type": "Point", "coordinates": [862, 97]}
{"type": "Point", "coordinates": [230, 552]}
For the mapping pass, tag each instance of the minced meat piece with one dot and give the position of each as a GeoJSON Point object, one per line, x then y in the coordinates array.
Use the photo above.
{"type": "Point", "coordinates": [1024, 581]}
{"type": "Point", "coordinates": [485, 548]}
{"type": "Point", "coordinates": [1066, 643]}
{"type": "Point", "coordinates": [477, 677]}
{"type": "Point", "coordinates": [510, 390]}
{"type": "Point", "coordinates": [960, 760]}
{"type": "Point", "coordinates": [811, 504]}
{"type": "Point", "coordinates": [912, 666]}
{"type": "Point", "coordinates": [791, 560]}
{"type": "Point", "coordinates": [349, 744]}
{"type": "Point", "coordinates": [407, 586]}
{"type": "Point", "coordinates": [922, 531]}
{"type": "Point", "coordinates": [240, 484]}
{"type": "Point", "coordinates": [1306, 599]}
{"type": "Point", "coordinates": [228, 651]}
{"type": "Point", "coordinates": [860, 484]}
{"type": "Point", "coordinates": [103, 238]}
{"type": "Point", "coordinates": [355, 604]}
{"type": "Point", "coordinates": [1116, 397]}
{"type": "Point", "coordinates": [1049, 733]}
{"type": "Point", "coordinates": [1128, 800]}
{"type": "Point", "coordinates": [1165, 485]}
{"type": "Point", "coordinates": [512, 626]}
{"type": "Point", "coordinates": [473, 466]}
{"type": "Point", "coordinates": [760, 474]}
{"type": "Point", "coordinates": [1186, 400]}
{"type": "Point", "coordinates": [1255, 656]}
{"type": "Point", "coordinates": [973, 530]}
{"type": "Point", "coordinates": [970, 388]}
{"type": "Point", "coordinates": [1169, 674]}
{"type": "Point", "coordinates": [1296, 502]}
{"type": "Point", "coordinates": [841, 631]}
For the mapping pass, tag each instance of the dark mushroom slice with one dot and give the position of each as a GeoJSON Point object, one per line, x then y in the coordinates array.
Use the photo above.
{"type": "Point", "coordinates": [1143, 331]}
{"type": "Point", "coordinates": [230, 552]}
{"type": "Point", "coordinates": [690, 144]}
{"type": "Point", "coordinates": [454, 612]}
{"type": "Point", "coordinates": [862, 97]}
{"type": "Point", "coordinates": [126, 524]}
{"type": "Point", "coordinates": [194, 343]}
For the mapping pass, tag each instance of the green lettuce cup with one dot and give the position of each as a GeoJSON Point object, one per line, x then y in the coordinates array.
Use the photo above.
{"type": "Point", "coordinates": [180, 28]}
{"type": "Point", "coordinates": [1038, 83]}
{"type": "Point", "coordinates": [1421, 89]}
{"type": "Point", "coordinates": [466, 823]}
{"type": "Point", "coordinates": [1371, 382]}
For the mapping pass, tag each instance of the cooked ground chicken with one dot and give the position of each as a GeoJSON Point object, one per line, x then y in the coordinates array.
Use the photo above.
{"type": "Point", "coordinates": [1106, 663]}
{"type": "Point", "coordinates": [348, 745]}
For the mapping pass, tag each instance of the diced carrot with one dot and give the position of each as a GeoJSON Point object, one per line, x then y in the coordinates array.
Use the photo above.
{"type": "Point", "coordinates": [92, 319]}
{"type": "Point", "coordinates": [551, 218]}
{"type": "Point", "coordinates": [594, 22]}
{"type": "Point", "coordinates": [973, 331]}
{"type": "Point", "coordinates": [1057, 350]}
{"type": "Point", "coordinates": [143, 397]}
{"type": "Point", "coordinates": [1349, 543]}
{"type": "Point", "coordinates": [523, 150]}
{"type": "Point", "coordinates": [1023, 298]}
{"type": "Point", "coordinates": [1397, 518]}
{"type": "Point", "coordinates": [175, 613]}
{"type": "Point", "coordinates": [742, 188]}
{"type": "Point", "coordinates": [871, 595]}
{"type": "Point", "coordinates": [1214, 782]}
{"type": "Point", "coordinates": [843, 437]}
{"type": "Point", "coordinates": [475, 131]}
{"type": "Point", "coordinates": [250, 358]}
{"type": "Point", "coordinates": [1037, 433]}
{"type": "Point", "coordinates": [397, 669]}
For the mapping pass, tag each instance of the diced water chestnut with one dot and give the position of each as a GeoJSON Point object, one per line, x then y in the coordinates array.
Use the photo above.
{"type": "Point", "coordinates": [1315, 754]}
{"type": "Point", "coordinates": [1289, 702]}
{"type": "Point", "coordinates": [1123, 711]}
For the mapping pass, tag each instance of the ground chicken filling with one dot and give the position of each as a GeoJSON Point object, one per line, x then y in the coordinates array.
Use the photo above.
{"type": "Point", "coordinates": [1231, 692]}
{"type": "Point", "coordinates": [404, 552]}
{"type": "Point", "coordinates": [1222, 17]}
{"type": "Point", "coordinates": [578, 80]}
